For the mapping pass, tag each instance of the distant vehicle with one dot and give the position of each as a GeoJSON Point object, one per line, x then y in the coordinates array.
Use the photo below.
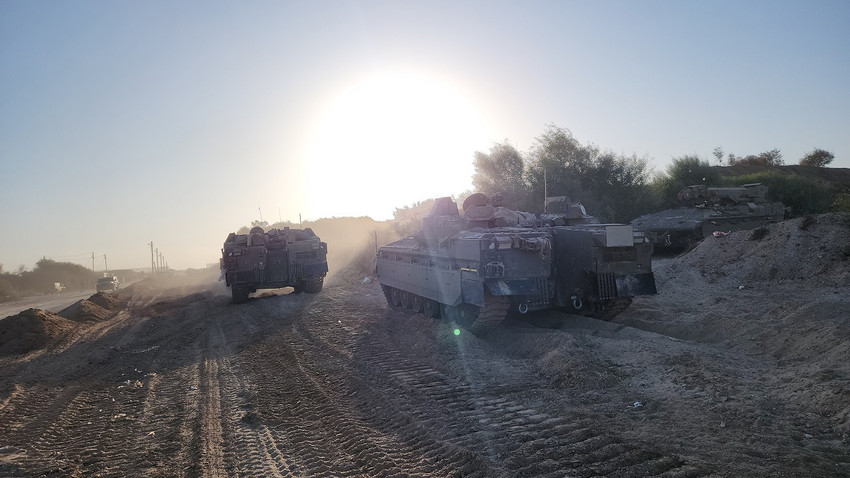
{"type": "Point", "coordinates": [472, 269]}
{"type": "Point", "coordinates": [706, 210]}
{"type": "Point", "coordinates": [58, 287]}
{"type": "Point", "coordinates": [107, 284]}
{"type": "Point", "coordinates": [285, 257]}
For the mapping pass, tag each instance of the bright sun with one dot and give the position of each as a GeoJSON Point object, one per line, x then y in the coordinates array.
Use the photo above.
{"type": "Point", "coordinates": [391, 140]}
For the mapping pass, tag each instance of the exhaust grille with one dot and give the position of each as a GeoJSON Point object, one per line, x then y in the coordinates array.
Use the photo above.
{"type": "Point", "coordinates": [543, 292]}
{"type": "Point", "coordinates": [607, 286]}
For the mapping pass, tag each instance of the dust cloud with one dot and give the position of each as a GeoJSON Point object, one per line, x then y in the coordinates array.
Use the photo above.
{"type": "Point", "coordinates": [352, 244]}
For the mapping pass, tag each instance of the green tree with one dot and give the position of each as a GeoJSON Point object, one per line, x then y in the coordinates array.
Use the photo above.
{"type": "Point", "coordinates": [47, 271]}
{"type": "Point", "coordinates": [683, 171]}
{"type": "Point", "coordinates": [500, 171]}
{"type": "Point", "coordinates": [613, 187]}
{"type": "Point", "coordinates": [818, 158]}
{"type": "Point", "coordinates": [557, 161]}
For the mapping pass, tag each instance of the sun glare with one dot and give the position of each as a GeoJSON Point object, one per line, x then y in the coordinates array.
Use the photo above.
{"type": "Point", "coordinates": [391, 140]}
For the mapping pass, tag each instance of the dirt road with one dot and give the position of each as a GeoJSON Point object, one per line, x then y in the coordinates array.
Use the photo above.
{"type": "Point", "coordinates": [705, 379]}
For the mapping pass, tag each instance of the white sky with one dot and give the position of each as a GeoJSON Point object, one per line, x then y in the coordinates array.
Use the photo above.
{"type": "Point", "coordinates": [123, 123]}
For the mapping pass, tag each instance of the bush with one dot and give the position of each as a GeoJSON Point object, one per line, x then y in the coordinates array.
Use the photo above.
{"type": "Point", "coordinates": [841, 201]}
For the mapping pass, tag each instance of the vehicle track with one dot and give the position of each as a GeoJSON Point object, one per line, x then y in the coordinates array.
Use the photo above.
{"type": "Point", "coordinates": [517, 438]}
{"type": "Point", "coordinates": [465, 426]}
{"type": "Point", "coordinates": [336, 384]}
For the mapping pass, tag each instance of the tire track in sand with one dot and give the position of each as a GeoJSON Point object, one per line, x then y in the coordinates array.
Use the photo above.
{"type": "Point", "coordinates": [497, 424]}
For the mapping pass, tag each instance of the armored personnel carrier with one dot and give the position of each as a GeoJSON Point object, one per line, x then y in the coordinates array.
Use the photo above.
{"type": "Point", "coordinates": [269, 260]}
{"type": "Point", "coordinates": [705, 210]}
{"type": "Point", "coordinates": [473, 269]}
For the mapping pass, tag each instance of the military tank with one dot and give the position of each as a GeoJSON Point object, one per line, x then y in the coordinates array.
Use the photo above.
{"type": "Point", "coordinates": [706, 210]}
{"type": "Point", "coordinates": [473, 269]}
{"type": "Point", "coordinates": [278, 258]}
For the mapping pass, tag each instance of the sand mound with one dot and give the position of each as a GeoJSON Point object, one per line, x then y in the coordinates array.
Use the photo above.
{"type": "Point", "coordinates": [780, 292]}
{"type": "Point", "coordinates": [32, 329]}
{"type": "Point", "coordinates": [96, 308]}
{"type": "Point", "coordinates": [85, 311]}
{"type": "Point", "coordinates": [815, 248]}
{"type": "Point", "coordinates": [107, 301]}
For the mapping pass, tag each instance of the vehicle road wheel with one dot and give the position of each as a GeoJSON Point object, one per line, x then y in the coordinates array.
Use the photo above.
{"type": "Point", "coordinates": [313, 286]}
{"type": "Point", "coordinates": [396, 297]}
{"type": "Point", "coordinates": [431, 309]}
{"type": "Point", "coordinates": [240, 295]}
{"type": "Point", "coordinates": [449, 313]}
{"type": "Point", "coordinates": [416, 303]}
{"type": "Point", "coordinates": [406, 299]}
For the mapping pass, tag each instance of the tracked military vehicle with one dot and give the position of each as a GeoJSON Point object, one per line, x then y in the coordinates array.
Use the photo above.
{"type": "Point", "coordinates": [706, 210]}
{"type": "Point", "coordinates": [269, 260]}
{"type": "Point", "coordinates": [473, 269]}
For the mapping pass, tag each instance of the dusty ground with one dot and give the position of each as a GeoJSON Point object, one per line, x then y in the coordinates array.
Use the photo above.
{"type": "Point", "coordinates": [737, 368]}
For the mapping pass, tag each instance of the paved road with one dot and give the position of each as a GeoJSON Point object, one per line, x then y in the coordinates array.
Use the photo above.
{"type": "Point", "coordinates": [53, 303]}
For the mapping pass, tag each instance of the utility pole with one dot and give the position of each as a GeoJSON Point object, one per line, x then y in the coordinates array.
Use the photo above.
{"type": "Point", "coordinates": [157, 260]}
{"type": "Point", "coordinates": [152, 264]}
{"type": "Point", "coordinates": [261, 212]}
{"type": "Point", "coordinates": [105, 267]}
